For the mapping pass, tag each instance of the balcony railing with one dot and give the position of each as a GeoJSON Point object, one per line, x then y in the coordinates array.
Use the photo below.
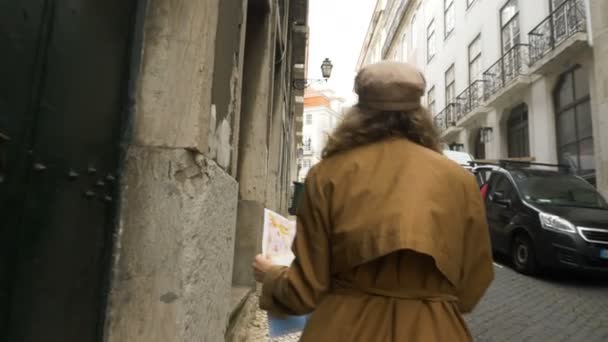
{"type": "Point", "coordinates": [470, 98]}
{"type": "Point", "coordinates": [447, 117]}
{"type": "Point", "coordinates": [440, 122]}
{"type": "Point", "coordinates": [565, 21]}
{"type": "Point", "coordinates": [512, 64]}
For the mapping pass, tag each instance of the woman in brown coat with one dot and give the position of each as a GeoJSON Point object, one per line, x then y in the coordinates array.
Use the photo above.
{"type": "Point", "coordinates": [391, 242]}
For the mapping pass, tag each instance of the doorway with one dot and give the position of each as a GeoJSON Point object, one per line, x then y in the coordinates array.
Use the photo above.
{"type": "Point", "coordinates": [479, 145]}
{"type": "Point", "coordinates": [518, 137]}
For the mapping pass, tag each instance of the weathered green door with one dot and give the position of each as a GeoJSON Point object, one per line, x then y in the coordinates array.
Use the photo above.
{"type": "Point", "coordinates": [63, 69]}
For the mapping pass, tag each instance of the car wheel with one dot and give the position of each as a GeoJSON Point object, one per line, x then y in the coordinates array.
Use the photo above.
{"type": "Point", "coordinates": [523, 256]}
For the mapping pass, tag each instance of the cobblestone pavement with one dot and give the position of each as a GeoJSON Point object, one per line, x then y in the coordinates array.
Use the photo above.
{"type": "Point", "coordinates": [564, 307]}
{"type": "Point", "coordinates": [258, 330]}
{"type": "Point", "coordinates": [516, 308]}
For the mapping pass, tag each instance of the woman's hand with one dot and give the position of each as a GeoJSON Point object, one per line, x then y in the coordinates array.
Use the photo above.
{"type": "Point", "coordinates": [261, 265]}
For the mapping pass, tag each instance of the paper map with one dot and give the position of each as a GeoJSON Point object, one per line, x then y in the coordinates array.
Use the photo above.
{"type": "Point", "coordinates": [277, 238]}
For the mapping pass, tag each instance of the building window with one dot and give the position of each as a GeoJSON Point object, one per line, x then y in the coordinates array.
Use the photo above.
{"type": "Point", "coordinates": [480, 145]}
{"type": "Point", "coordinates": [414, 34]}
{"type": "Point", "coordinates": [573, 123]}
{"type": "Point", "coordinates": [450, 86]}
{"type": "Point", "coordinates": [403, 57]}
{"type": "Point", "coordinates": [309, 119]}
{"type": "Point", "coordinates": [430, 98]}
{"type": "Point", "coordinates": [475, 60]}
{"type": "Point", "coordinates": [383, 35]}
{"type": "Point", "coordinates": [307, 144]}
{"type": "Point", "coordinates": [431, 47]}
{"type": "Point", "coordinates": [518, 139]}
{"type": "Point", "coordinates": [509, 23]}
{"type": "Point", "coordinates": [449, 17]}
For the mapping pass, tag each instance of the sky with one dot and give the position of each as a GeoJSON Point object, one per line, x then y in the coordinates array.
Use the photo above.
{"type": "Point", "coordinates": [337, 31]}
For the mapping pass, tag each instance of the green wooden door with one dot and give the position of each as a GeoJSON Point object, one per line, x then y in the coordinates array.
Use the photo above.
{"type": "Point", "coordinates": [63, 70]}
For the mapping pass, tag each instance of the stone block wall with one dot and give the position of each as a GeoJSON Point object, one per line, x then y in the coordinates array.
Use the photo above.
{"type": "Point", "coordinates": [210, 145]}
{"type": "Point", "coordinates": [176, 241]}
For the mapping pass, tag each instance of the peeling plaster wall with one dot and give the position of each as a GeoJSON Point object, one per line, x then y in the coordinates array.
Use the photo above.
{"type": "Point", "coordinates": [275, 148]}
{"type": "Point", "coordinates": [252, 171]}
{"type": "Point", "coordinates": [205, 119]}
{"type": "Point", "coordinates": [220, 148]}
{"type": "Point", "coordinates": [175, 245]}
{"type": "Point", "coordinates": [227, 81]}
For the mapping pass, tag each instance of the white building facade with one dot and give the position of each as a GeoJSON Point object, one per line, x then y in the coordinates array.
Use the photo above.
{"type": "Point", "coordinates": [506, 78]}
{"type": "Point", "coordinates": [322, 112]}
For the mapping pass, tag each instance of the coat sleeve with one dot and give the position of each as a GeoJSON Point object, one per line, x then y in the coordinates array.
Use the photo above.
{"type": "Point", "coordinates": [478, 270]}
{"type": "Point", "coordinates": [296, 290]}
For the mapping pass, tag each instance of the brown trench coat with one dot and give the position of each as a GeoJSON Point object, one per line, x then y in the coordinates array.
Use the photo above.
{"type": "Point", "coordinates": [391, 245]}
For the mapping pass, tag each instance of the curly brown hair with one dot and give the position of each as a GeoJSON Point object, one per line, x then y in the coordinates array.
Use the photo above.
{"type": "Point", "coordinates": [361, 126]}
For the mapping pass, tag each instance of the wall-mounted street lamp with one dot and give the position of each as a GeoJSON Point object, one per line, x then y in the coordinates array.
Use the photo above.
{"type": "Point", "coordinates": [486, 134]}
{"type": "Point", "coordinates": [302, 83]}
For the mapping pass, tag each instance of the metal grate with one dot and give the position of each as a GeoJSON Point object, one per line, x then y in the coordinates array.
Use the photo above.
{"type": "Point", "coordinates": [595, 235]}
{"type": "Point", "coordinates": [440, 122]}
{"type": "Point", "coordinates": [470, 98]}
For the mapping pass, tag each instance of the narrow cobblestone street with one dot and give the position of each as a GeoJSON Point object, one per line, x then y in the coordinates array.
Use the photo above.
{"type": "Point", "coordinates": [258, 330]}
{"type": "Point", "coordinates": [563, 307]}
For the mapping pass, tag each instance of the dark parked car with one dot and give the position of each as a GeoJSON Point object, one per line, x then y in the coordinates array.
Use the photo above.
{"type": "Point", "coordinates": [546, 219]}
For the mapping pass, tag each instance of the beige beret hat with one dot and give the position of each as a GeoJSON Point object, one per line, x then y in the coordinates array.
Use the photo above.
{"type": "Point", "coordinates": [390, 86]}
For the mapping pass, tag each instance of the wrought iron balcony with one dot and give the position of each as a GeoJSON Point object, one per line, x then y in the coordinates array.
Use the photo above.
{"type": "Point", "coordinates": [564, 22]}
{"type": "Point", "coordinates": [471, 98]}
{"type": "Point", "coordinates": [440, 122]}
{"type": "Point", "coordinates": [447, 117]}
{"type": "Point", "coordinates": [512, 64]}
